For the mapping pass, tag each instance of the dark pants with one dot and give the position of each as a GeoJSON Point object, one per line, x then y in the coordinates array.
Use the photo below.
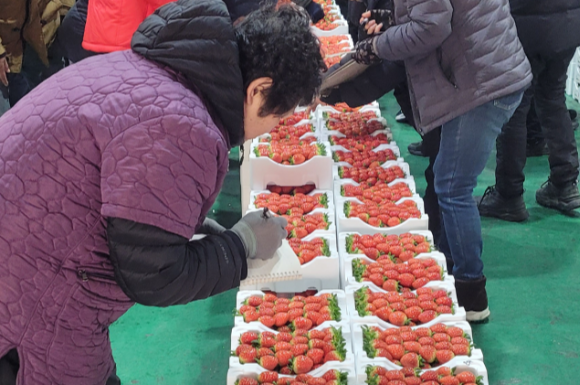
{"type": "Point", "coordinates": [430, 146]}
{"type": "Point", "coordinates": [548, 93]}
{"type": "Point", "coordinates": [535, 135]}
{"type": "Point", "coordinates": [71, 32]}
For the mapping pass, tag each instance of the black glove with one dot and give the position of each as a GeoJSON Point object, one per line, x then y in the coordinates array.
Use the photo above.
{"type": "Point", "coordinates": [365, 51]}
{"type": "Point", "coordinates": [384, 16]}
{"type": "Point", "coordinates": [315, 11]}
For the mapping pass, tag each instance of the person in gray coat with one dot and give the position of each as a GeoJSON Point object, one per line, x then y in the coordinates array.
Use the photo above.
{"type": "Point", "coordinates": [467, 72]}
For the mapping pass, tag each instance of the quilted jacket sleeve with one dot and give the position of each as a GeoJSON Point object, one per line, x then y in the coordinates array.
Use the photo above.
{"type": "Point", "coordinates": [158, 268]}
{"type": "Point", "coordinates": [164, 171]}
{"type": "Point", "coordinates": [429, 26]}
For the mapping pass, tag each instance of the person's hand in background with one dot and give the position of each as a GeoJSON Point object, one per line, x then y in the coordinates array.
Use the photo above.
{"type": "Point", "coordinates": [4, 71]}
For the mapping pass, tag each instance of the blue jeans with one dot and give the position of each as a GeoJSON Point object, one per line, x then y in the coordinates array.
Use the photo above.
{"type": "Point", "coordinates": [466, 143]}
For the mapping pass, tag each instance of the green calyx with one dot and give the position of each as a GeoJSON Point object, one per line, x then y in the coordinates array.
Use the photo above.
{"type": "Point", "coordinates": [347, 207]}
{"type": "Point", "coordinates": [334, 308]}
{"type": "Point", "coordinates": [320, 149]}
{"type": "Point", "coordinates": [358, 269]}
{"type": "Point", "coordinates": [335, 157]}
{"type": "Point", "coordinates": [323, 200]}
{"type": "Point", "coordinates": [256, 152]}
{"type": "Point", "coordinates": [342, 192]}
{"type": "Point", "coordinates": [369, 336]}
{"type": "Point", "coordinates": [341, 172]}
{"type": "Point", "coordinates": [361, 302]}
{"type": "Point", "coordinates": [372, 376]}
{"type": "Point", "coordinates": [325, 248]}
{"type": "Point", "coordinates": [349, 243]}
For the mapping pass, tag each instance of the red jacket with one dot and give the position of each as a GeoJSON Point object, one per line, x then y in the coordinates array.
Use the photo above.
{"type": "Point", "coordinates": [112, 23]}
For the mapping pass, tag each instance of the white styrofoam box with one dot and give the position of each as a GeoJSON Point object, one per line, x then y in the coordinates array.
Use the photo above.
{"type": "Point", "coordinates": [318, 233]}
{"type": "Point", "coordinates": [395, 150]}
{"type": "Point", "coordinates": [335, 135]}
{"type": "Point", "coordinates": [360, 354]}
{"type": "Point", "coordinates": [239, 329]}
{"type": "Point", "coordinates": [448, 286]}
{"type": "Point", "coordinates": [347, 39]}
{"type": "Point", "coordinates": [235, 374]}
{"type": "Point", "coordinates": [390, 163]}
{"type": "Point", "coordinates": [355, 224]}
{"type": "Point", "coordinates": [339, 199]}
{"type": "Point", "coordinates": [349, 278]}
{"type": "Point", "coordinates": [323, 110]}
{"type": "Point", "coordinates": [322, 273]}
{"type": "Point", "coordinates": [329, 197]}
{"type": "Point", "coordinates": [343, 252]}
{"type": "Point", "coordinates": [460, 363]}
{"type": "Point", "coordinates": [312, 123]}
{"type": "Point", "coordinates": [264, 171]}
{"type": "Point", "coordinates": [322, 125]}
{"type": "Point", "coordinates": [341, 29]}
{"type": "Point", "coordinates": [245, 294]}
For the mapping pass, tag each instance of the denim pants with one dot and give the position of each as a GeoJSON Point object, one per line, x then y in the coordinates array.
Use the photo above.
{"type": "Point", "coordinates": [466, 143]}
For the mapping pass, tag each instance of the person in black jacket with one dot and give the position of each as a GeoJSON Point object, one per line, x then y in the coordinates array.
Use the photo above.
{"type": "Point", "coordinates": [550, 32]}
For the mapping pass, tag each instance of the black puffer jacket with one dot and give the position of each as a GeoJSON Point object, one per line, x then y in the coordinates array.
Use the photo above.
{"type": "Point", "coordinates": [547, 25]}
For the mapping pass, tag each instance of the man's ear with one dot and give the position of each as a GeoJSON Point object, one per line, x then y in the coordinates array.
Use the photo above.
{"type": "Point", "coordinates": [254, 92]}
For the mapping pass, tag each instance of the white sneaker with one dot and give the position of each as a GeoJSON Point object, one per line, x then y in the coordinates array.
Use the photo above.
{"type": "Point", "coordinates": [478, 316]}
{"type": "Point", "coordinates": [400, 117]}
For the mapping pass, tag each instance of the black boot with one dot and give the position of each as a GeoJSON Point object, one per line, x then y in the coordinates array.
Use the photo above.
{"type": "Point", "coordinates": [473, 297]}
{"type": "Point", "coordinates": [416, 149]}
{"type": "Point", "coordinates": [565, 199]}
{"type": "Point", "coordinates": [494, 205]}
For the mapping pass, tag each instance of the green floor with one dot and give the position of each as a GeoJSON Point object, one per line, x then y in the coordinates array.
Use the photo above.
{"type": "Point", "coordinates": [533, 272]}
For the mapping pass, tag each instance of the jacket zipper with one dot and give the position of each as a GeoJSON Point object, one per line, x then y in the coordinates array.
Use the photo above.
{"type": "Point", "coordinates": [84, 275]}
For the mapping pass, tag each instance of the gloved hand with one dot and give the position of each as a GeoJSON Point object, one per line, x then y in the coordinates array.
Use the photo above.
{"type": "Point", "coordinates": [365, 52]}
{"type": "Point", "coordinates": [211, 227]}
{"type": "Point", "coordinates": [315, 11]}
{"type": "Point", "coordinates": [261, 233]}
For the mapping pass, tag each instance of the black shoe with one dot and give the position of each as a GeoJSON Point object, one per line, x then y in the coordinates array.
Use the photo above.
{"type": "Point", "coordinates": [493, 205]}
{"type": "Point", "coordinates": [565, 198]}
{"type": "Point", "coordinates": [473, 297]}
{"type": "Point", "coordinates": [416, 149]}
{"type": "Point", "coordinates": [401, 118]}
{"type": "Point", "coordinates": [573, 116]}
{"type": "Point", "coordinates": [539, 149]}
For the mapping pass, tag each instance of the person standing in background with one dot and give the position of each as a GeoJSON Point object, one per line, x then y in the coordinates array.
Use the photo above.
{"type": "Point", "coordinates": [550, 32]}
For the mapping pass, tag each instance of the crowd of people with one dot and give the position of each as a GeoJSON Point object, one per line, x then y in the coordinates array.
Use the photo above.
{"type": "Point", "coordinates": [117, 120]}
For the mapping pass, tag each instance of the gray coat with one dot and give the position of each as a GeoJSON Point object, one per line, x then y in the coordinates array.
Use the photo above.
{"type": "Point", "coordinates": [459, 54]}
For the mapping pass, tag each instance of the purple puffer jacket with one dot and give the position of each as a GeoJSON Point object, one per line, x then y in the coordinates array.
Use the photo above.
{"type": "Point", "coordinates": [112, 136]}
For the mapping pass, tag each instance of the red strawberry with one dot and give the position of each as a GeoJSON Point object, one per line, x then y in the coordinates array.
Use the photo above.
{"type": "Point", "coordinates": [444, 356]}
{"type": "Point", "coordinates": [267, 321]}
{"type": "Point", "coordinates": [406, 279]}
{"type": "Point", "coordinates": [420, 282]}
{"type": "Point", "coordinates": [268, 362]}
{"type": "Point", "coordinates": [428, 353]}
{"type": "Point", "coordinates": [427, 316]}
{"type": "Point", "coordinates": [384, 313]}
{"type": "Point", "coordinates": [466, 377]}
{"type": "Point", "coordinates": [268, 377]}
{"type": "Point", "coordinates": [295, 313]}
{"type": "Point", "coordinates": [248, 338]}
{"type": "Point", "coordinates": [264, 352]}
{"type": "Point", "coordinates": [302, 364]}
{"type": "Point", "coordinates": [429, 375]}
{"type": "Point", "coordinates": [299, 349]}
{"type": "Point", "coordinates": [397, 351]}
{"type": "Point", "coordinates": [251, 316]}
{"type": "Point", "coordinates": [444, 371]}
{"type": "Point", "coordinates": [246, 381]}
{"type": "Point", "coordinates": [254, 301]}
{"type": "Point", "coordinates": [285, 370]}
{"type": "Point", "coordinates": [461, 350]}
{"type": "Point", "coordinates": [413, 312]}
{"type": "Point", "coordinates": [248, 356]}
{"type": "Point", "coordinates": [398, 318]}
{"type": "Point", "coordinates": [332, 374]}
{"type": "Point", "coordinates": [411, 360]}
{"type": "Point", "coordinates": [281, 345]}
{"type": "Point", "coordinates": [333, 356]}
{"type": "Point", "coordinates": [284, 337]}
{"type": "Point", "coordinates": [393, 375]}
{"type": "Point", "coordinates": [281, 319]}
{"type": "Point", "coordinates": [426, 341]}
{"type": "Point", "coordinates": [449, 380]}
{"type": "Point", "coordinates": [302, 323]}
{"type": "Point", "coordinates": [317, 355]}
{"type": "Point", "coordinates": [447, 302]}
{"type": "Point", "coordinates": [412, 346]}
{"type": "Point", "coordinates": [284, 357]}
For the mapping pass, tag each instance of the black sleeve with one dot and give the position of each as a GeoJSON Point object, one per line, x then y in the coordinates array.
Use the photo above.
{"type": "Point", "coordinates": [372, 84]}
{"type": "Point", "coordinates": [158, 268]}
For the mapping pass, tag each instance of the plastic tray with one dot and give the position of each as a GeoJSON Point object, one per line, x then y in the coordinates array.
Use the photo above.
{"type": "Point", "coordinates": [390, 163]}
{"type": "Point", "coordinates": [360, 354]}
{"type": "Point", "coordinates": [239, 329]}
{"type": "Point", "coordinates": [322, 273]}
{"type": "Point", "coordinates": [318, 170]}
{"type": "Point", "coordinates": [460, 364]}
{"type": "Point", "coordinates": [444, 285]}
{"type": "Point", "coordinates": [329, 194]}
{"type": "Point", "coordinates": [349, 278]}
{"type": "Point", "coordinates": [245, 294]}
{"type": "Point", "coordinates": [235, 374]}
{"type": "Point", "coordinates": [357, 225]}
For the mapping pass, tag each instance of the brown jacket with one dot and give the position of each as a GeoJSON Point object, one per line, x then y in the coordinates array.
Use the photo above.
{"type": "Point", "coordinates": [36, 27]}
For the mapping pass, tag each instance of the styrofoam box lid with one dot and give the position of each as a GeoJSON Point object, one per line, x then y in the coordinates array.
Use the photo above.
{"type": "Point", "coordinates": [245, 294]}
{"type": "Point", "coordinates": [329, 195]}
{"type": "Point", "coordinates": [236, 373]}
{"type": "Point", "coordinates": [239, 329]}
{"type": "Point", "coordinates": [342, 29]}
{"type": "Point", "coordinates": [344, 253]}
{"type": "Point", "coordinates": [390, 163]}
{"type": "Point", "coordinates": [448, 286]}
{"type": "Point", "coordinates": [323, 129]}
{"type": "Point", "coordinates": [322, 109]}
{"type": "Point", "coordinates": [460, 363]}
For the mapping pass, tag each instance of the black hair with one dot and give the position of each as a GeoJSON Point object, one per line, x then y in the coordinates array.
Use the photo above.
{"type": "Point", "coordinates": [276, 42]}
